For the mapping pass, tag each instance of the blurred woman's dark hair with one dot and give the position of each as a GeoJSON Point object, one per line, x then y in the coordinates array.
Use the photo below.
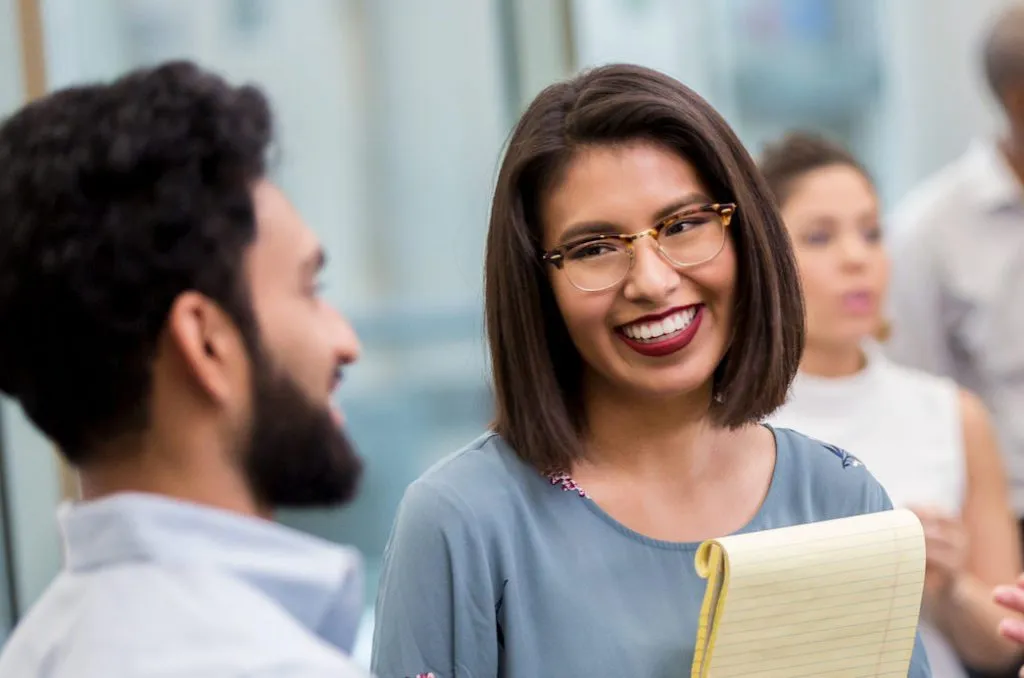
{"type": "Point", "coordinates": [536, 368]}
{"type": "Point", "coordinates": [785, 161]}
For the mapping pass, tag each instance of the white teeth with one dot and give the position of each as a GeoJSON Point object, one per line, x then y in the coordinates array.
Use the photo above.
{"type": "Point", "coordinates": [661, 328]}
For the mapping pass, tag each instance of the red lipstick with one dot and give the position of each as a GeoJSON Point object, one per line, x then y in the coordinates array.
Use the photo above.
{"type": "Point", "coordinates": [668, 343]}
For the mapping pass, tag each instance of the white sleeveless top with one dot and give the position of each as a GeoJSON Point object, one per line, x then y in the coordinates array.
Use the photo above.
{"type": "Point", "coordinates": [904, 426]}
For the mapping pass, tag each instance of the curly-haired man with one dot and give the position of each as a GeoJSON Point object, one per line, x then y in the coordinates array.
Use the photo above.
{"type": "Point", "coordinates": [160, 321]}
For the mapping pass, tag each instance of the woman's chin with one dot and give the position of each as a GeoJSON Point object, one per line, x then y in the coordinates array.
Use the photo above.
{"type": "Point", "coordinates": [668, 384]}
{"type": "Point", "coordinates": [628, 375]}
{"type": "Point", "coordinates": [853, 330]}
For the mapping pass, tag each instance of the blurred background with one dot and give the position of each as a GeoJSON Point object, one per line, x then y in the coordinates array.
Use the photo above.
{"type": "Point", "coordinates": [392, 115]}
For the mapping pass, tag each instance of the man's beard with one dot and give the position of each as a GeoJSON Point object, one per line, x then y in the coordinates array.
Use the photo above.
{"type": "Point", "coordinates": [295, 455]}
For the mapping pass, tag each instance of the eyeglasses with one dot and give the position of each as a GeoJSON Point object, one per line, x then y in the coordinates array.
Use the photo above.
{"type": "Point", "coordinates": [688, 238]}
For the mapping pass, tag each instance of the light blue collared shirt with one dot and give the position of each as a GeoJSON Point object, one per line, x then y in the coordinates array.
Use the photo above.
{"type": "Point", "coordinates": [157, 588]}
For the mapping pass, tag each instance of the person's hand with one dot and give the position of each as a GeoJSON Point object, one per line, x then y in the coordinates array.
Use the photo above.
{"type": "Point", "coordinates": [1012, 598]}
{"type": "Point", "coordinates": [945, 551]}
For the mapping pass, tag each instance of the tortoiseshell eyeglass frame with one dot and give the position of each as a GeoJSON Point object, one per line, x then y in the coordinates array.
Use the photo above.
{"type": "Point", "coordinates": [725, 211]}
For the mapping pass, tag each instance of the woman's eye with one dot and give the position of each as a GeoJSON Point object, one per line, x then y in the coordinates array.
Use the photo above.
{"type": "Point", "coordinates": [873, 234]}
{"type": "Point", "coordinates": [684, 225]}
{"type": "Point", "coordinates": [593, 249]}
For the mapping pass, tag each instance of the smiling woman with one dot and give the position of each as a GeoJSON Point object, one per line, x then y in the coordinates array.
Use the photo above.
{"type": "Point", "coordinates": [646, 309]}
{"type": "Point", "coordinates": [644, 314]}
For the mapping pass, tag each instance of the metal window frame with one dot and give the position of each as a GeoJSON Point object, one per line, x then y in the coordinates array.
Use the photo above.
{"type": "Point", "coordinates": [29, 43]}
{"type": "Point", "coordinates": [8, 612]}
{"type": "Point", "coordinates": [34, 83]}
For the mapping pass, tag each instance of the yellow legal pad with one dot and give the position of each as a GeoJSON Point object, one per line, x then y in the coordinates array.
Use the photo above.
{"type": "Point", "coordinates": [834, 598]}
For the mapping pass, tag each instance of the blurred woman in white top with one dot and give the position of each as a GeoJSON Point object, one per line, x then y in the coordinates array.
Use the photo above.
{"type": "Point", "coordinates": [929, 443]}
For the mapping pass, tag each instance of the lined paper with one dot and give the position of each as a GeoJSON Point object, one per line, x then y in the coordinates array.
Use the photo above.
{"type": "Point", "coordinates": [833, 598]}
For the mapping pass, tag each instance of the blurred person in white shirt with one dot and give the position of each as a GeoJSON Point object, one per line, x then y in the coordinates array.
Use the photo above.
{"type": "Point", "coordinates": [160, 321]}
{"type": "Point", "coordinates": [957, 244]}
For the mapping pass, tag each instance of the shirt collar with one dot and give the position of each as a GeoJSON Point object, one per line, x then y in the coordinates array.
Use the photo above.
{"type": "Point", "coordinates": [318, 583]}
{"type": "Point", "coordinates": [995, 183]}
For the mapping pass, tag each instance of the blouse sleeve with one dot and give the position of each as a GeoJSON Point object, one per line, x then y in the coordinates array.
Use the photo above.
{"type": "Point", "coordinates": [435, 608]}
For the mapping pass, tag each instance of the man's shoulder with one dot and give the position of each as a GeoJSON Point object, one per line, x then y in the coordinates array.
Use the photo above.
{"type": "Point", "coordinates": [943, 199]}
{"type": "Point", "coordinates": [140, 619]}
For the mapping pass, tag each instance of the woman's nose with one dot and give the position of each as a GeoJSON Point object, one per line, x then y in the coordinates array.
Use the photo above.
{"type": "Point", "coordinates": [651, 277]}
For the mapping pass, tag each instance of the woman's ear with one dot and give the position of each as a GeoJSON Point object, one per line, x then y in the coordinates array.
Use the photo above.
{"type": "Point", "coordinates": [883, 331]}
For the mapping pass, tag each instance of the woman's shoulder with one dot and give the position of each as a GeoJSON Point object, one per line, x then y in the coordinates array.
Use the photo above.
{"type": "Point", "coordinates": [934, 407]}
{"type": "Point", "coordinates": [823, 479]}
{"type": "Point", "coordinates": [924, 387]}
{"type": "Point", "coordinates": [483, 478]}
{"type": "Point", "coordinates": [482, 464]}
{"type": "Point", "coordinates": [815, 456]}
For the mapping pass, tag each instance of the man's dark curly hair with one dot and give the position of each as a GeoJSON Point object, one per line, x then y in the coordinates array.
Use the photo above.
{"type": "Point", "coordinates": [114, 200]}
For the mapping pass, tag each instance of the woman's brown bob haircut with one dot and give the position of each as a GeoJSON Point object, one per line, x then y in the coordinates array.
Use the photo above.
{"type": "Point", "coordinates": [536, 368]}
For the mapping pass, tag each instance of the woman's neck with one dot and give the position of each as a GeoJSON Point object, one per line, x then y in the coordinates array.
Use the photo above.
{"type": "Point", "coordinates": [832, 360]}
{"type": "Point", "coordinates": [648, 437]}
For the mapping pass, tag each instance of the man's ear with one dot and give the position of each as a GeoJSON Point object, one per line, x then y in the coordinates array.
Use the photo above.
{"type": "Point", "coordinates": [208, 342]}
